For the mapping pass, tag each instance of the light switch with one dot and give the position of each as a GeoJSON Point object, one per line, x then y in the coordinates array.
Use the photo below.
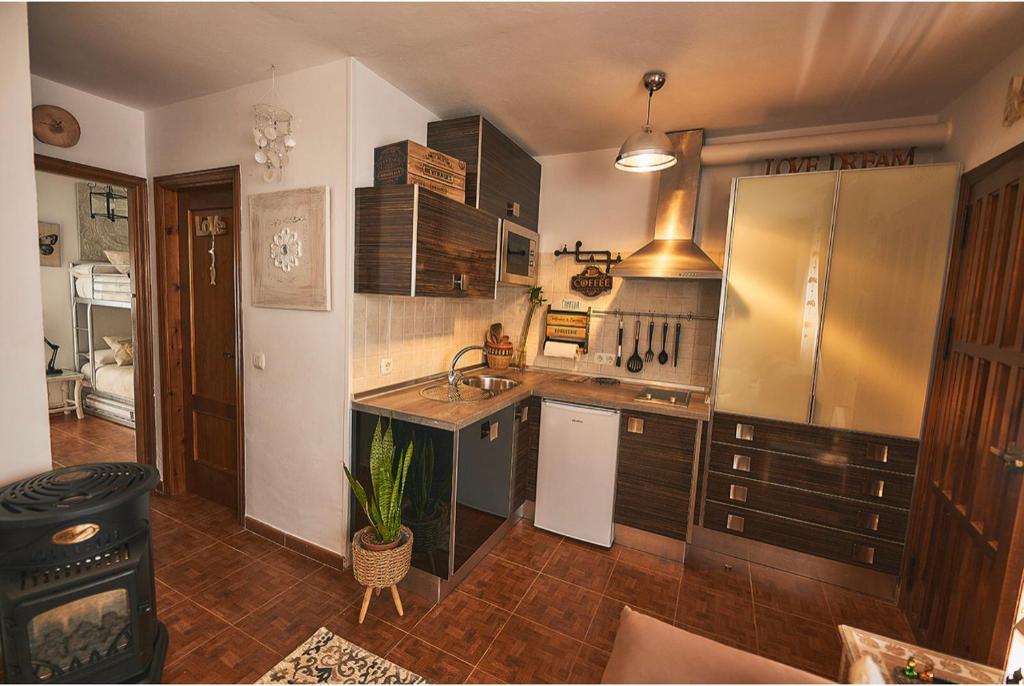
{"type": "Point", "coordinates": [259, 360]}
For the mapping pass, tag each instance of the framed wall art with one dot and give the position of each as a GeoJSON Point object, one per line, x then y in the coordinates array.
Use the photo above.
{"type": "Point", "coordinates": [291, 249]}
{"type": "Point", "coordinates": [49, 244]}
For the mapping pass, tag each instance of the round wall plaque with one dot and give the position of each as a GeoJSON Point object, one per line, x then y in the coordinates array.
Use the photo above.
{"type": "Point", "coordinates": [55, 126]}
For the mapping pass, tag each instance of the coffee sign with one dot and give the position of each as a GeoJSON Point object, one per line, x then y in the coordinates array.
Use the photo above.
{"type": "Point", "coordinates": [591, 281]}
{"type": "Point", "coordinates": [867, 159]}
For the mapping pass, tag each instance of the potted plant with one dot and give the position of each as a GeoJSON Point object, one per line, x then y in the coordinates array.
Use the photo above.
{"type": "Point", "coordinates": [536, 300]}
{"type": "Point", "coordinates": [381, 552]}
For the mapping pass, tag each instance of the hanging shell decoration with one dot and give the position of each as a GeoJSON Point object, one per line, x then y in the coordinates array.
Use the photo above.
{"type": "Point", "coordinates": [272, 134]}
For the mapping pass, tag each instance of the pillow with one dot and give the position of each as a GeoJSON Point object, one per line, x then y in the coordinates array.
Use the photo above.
{"type": "Point", "coordinates": [105, 356]}
{"type": "Point", "coordinates": [118, 258]}
{"type": "Point", "coordinates": [122, 347]}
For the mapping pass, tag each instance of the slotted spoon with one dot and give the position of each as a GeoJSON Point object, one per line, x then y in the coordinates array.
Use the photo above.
{"type": "Point", "coordinates": [635, 363]}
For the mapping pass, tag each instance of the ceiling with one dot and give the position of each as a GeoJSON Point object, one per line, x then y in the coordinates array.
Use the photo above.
{"type": "Point", "coordinates": [560, 77]}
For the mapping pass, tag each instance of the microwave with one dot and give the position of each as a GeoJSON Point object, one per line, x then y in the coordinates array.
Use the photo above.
{"type": "Point", "coordinates": [518, 256]}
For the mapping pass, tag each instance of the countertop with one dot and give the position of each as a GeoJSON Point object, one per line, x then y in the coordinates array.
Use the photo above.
{"type": "Point", "coordinates": [406, 403]}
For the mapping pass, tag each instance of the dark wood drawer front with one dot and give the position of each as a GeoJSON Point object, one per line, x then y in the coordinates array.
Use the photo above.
{"type": "Point", "coordinates": [891, 454]}
{"type": "Point", "coordinates": [852, 516]}
{"type": "Point", "coordinates": [654, 473]}
{"type": "Point", "coordinates": [842, 546]}
{"type": "Point", "coordinates": [868, 485]}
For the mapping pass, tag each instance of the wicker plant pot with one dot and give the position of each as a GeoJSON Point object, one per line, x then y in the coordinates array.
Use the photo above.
{"type": "Point", "coordinates": [377, 569]}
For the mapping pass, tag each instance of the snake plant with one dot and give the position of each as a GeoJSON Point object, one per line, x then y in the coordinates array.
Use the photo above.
{"type": "Point", "coordinates": [388, 471]}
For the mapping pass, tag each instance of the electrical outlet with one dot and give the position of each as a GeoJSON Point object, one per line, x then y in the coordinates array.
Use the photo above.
{"type": "Point", "coordinates": [604, 358]}
{"type": "Point", "coordinates": [385, 365]}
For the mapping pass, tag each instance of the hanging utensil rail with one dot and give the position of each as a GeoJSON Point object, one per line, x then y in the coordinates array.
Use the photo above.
{"type": "Point", "coordinates": [689, 316]}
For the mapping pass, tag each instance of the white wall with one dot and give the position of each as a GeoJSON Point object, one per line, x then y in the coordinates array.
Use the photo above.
{"type": "Point", "coordinates": [24, 422]}
{"type": "Point", "coordinates": [113, 135]}
{"type": "Point", "coordinates": [294, 409]}
{"type": "Point", "coordinates": [977, 116]}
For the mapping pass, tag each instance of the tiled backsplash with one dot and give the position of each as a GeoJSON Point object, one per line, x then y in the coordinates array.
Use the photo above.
{"type": "Point", "coordinates": [420, 335]}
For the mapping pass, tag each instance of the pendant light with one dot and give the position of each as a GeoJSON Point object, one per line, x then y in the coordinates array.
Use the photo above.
{"type": "Point", "coordinates": [647, 150]}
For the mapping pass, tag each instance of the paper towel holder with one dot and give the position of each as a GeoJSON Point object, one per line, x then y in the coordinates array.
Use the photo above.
{"type": "Point", "coordinates": [567, 326]}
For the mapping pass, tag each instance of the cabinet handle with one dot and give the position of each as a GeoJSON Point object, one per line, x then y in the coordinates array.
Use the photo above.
{"type": "Point", "coordinates": [878, 453]}
{"type": "Point", "coordinates": [745, 432]}
{"type": "Point", "coordinates": [864, 554]}
{"type": "Point", "coordinates": [870, 520]}
{"type": "Point", "coordinates": [734, 523]}
{"type": "Point", "coordinates": [512, 209]}
{"type": "Point", "coordinates": [877, 488]}
{"type": "Point", "coordinates": [489, 431]}
{"type": "Point", "coordinates": [459, 282]}
{"type": "Point", "coordinates": [524, 414]}
{"type": "Point", "coordinates": [635, 425]}
{"type": "Point", "coordinates": [741, 463]}
{"type": "Point", "coordinates": [738, 493]}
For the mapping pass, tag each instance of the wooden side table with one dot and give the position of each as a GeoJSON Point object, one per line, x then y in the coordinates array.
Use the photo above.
{"type": "Point", "coordinates": [69, 402]}
{"type": "Point", "coordinates": [890, 653]}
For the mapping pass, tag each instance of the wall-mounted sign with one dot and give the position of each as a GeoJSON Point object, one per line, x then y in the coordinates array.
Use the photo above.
{"type": "Point", "coordinates": [866, 159]}
{"type": "Point", "coordinates": [591, 281]}
{"type": "Point", "coordinates": [567, 326]}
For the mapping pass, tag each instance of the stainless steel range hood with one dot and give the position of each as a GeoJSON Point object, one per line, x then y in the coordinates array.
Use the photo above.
{"type": "Point", "coordinates": [673, 254]}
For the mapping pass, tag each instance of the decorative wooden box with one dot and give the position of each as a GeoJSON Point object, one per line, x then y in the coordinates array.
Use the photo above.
{"type": "Point", "coordinates": [408, 162]}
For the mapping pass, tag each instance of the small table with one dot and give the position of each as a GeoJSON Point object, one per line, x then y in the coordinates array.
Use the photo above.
{"type": "Point", "coordinates": [890, 653]}
{"type": "Point", "coordinates": [74, 402]}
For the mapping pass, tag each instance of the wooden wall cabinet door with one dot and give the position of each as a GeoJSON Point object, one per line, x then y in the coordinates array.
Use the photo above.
{"type": "Point", "coordinates": [655, 471]}
{"type": "Point", "coordinates": [501, 178]}
{"type": "Point", "coordinates": [412, 241]}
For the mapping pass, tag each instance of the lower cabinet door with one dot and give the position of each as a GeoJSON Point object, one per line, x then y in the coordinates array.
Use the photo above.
{"type": "Point", "coordinates": [834, 544]}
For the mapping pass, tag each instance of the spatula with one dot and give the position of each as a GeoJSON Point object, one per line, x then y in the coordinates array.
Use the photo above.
{"type": "Point", "coordinates": [635, 363]}
{"type": "Point", "coordinates": [618, 350]}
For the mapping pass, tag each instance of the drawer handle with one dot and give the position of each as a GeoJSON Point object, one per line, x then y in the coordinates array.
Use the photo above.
{"type": "Point", "coordinates": [878, 453]}
{"type": "Point", "coordinates": [738, 493]}
{"type": "Point", "coordinates": [865, 554]}
{"type": "Point", "coordinates": [459, 282]}
{"type": "Point", "coordinates": [870, 520]}
{"type": "Point", "coordinates": [524, 414]}
{"type": "Point", "coordinates": [877, 488]}
{"type": "Point", "coordinates": [734, 523]}
{"type": "Point", "coordinates": [745, 432]}
{"type": "Point", "coordinates": [635, 425]}
{"type": "Point", "coordinates": [741, 463]}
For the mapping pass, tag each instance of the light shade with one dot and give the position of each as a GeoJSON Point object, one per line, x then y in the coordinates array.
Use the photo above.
{"type": "Point", "coordinates": [646, 151]}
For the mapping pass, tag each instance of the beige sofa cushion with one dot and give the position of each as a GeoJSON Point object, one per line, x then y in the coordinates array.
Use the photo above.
{"type": "Point", "coordinates": [649, 651]}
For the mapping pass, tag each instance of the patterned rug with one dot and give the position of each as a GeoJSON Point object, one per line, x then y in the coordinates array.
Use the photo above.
{"type": "Point", "coordinates": [328, 659]}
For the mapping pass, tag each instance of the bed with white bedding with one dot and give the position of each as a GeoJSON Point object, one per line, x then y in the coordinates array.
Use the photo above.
{"type": "Point", "coordinates": [112, 379]}
{"type": "Point", "coordinates": [101, 281]}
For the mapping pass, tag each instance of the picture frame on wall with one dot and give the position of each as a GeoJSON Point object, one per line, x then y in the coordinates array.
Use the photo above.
{"type": "Point", "coordinates": [49, 244]}
{"type": "Point", "coordinates": [291, 249]}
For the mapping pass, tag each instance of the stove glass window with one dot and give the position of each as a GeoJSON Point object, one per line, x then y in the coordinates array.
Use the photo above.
{"type": "Point", "coordinates": [80, 633]}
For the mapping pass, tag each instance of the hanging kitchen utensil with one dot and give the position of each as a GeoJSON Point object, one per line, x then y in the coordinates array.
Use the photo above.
{"type": "Point", "coordinates": [675, 346]}
{"type": "Point", "coordinates": [663, 355]}
{"type": "Point", "coordinates": [618, 350]}
{"type": "Point", "coordinates": [649, 355]}
{"type": "Point", "coordinates": [635, 363]}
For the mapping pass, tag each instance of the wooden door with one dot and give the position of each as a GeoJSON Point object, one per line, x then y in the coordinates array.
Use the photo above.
{"type": "Point", "coordinates": [207, 236]}
{"type": "Point", "coordinates": [965, 549]}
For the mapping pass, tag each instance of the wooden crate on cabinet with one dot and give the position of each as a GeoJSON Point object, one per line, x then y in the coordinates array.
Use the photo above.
{"type": "Point", "coordinates": [501, 177]}
{"type": "Point", "coordinates": [412, 241]}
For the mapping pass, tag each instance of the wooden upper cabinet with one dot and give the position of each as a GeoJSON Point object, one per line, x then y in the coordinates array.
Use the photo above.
{"type": "Point", "coordinates": [411, 241]}
{"type": "Point", "coordinates": [501, 178]}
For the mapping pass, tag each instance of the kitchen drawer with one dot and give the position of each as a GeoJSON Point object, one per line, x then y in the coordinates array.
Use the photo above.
{"type": "Point", "coordinates": [865, 450]}
{"type": "Point", "coordinates": [814, 474]}
{"type": "Point", "coordinates": [655, 471]}
{"type": "Point", "coordinates": [833, 544]}
{"type": "Point", "coordinates": [838, 513]}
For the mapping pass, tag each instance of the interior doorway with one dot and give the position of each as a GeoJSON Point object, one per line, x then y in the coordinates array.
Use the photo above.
{"type": "Point", "coordinates": [200, 316]}
{"type": "Point", "coordinates": [94, 247]}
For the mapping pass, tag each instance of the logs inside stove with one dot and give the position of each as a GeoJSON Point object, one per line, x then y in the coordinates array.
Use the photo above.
{"type": "Point", "coordinates": [77, 596]}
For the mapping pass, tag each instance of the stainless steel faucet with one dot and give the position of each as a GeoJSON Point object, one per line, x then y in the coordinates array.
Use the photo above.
{"type": "Point", "coordinates": [454, 376]}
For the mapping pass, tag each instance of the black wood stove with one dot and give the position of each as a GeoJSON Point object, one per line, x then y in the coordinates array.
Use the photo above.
{"type": "Point", "coordinates": [77, 598]}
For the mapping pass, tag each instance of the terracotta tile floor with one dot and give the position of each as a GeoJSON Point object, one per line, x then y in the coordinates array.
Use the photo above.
{"type": "Point", "coordinates": [538, 609]}
{"type": "Point", "coordinates": [90, 439]}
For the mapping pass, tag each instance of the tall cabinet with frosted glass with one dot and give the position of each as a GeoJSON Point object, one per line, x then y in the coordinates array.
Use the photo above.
{"type": "Point", "coordinates": [830, 312]}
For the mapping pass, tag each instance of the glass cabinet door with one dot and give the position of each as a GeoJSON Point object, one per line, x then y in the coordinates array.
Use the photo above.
{"type": "Point", "coordinates": [777, 257]}
{"type": "Point", "coordinates": [884, 286]}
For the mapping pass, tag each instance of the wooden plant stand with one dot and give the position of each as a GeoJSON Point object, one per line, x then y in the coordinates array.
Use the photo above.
{"type": "Point", "coordinates": [366, 601]}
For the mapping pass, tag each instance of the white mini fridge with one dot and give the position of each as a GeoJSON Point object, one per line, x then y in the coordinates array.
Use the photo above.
{"type": "Point", "coordinates": [576, 471]}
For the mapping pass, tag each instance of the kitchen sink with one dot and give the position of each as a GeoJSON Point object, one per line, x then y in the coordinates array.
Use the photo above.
{"type": "Point", "coordinates": [494, 384]}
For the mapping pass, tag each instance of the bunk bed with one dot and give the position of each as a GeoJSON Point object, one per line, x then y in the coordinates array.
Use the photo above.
{"type": "Point", "coordinates": [109, 387]}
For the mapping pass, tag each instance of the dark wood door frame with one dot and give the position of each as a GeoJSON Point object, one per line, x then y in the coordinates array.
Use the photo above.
{"type": "Point", "coordinates": [166, 191]}
{"type": "Point", "coordinates": [138, 233]}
